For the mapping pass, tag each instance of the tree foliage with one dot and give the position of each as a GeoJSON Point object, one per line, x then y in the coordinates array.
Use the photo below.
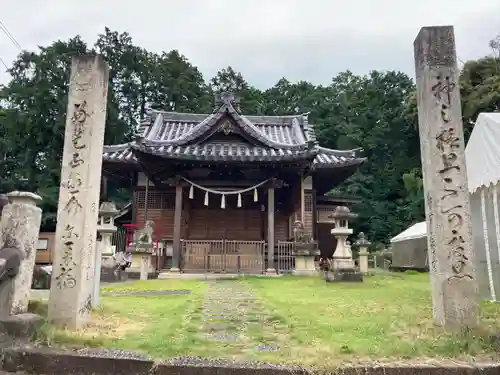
{"type": "Point", "coordinates": [376, 112]}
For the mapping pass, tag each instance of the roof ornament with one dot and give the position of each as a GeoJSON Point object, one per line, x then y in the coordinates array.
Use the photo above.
{"type": "Point", "coordinates": [228, 98]}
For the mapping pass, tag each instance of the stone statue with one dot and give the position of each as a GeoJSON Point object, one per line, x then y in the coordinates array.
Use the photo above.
{"type": "Point", "coordinates": [10, 260]}
{"type": "Point", "coordinates": [144, 236]}
{"type": "Point", "coordinates": [298, 231]}
{"type": "Point", "coordinates": [304, 243]}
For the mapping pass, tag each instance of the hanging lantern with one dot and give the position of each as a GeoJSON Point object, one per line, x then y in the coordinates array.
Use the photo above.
{"type": "Point", "coordinates": [239, 199]}
{"type": "Point", "coordinates": [191, 192]}
{"type": "Point", "coordinates": [206, 198]}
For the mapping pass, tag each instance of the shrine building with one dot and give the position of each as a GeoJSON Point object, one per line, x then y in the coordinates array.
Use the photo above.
{"type": "Point", "coordinates": [224, 189]}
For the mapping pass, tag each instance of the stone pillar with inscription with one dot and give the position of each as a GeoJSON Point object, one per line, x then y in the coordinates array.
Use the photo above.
{"type": "Point", "coordinates": [70, 301]}
{"type": "Point", "coordinates": [447, 206]}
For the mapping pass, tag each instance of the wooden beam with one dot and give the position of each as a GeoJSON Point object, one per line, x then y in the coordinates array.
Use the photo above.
{"type": "Point", "coordinates": [177, 229]}
{"type": "Point", "coordinates": [270, 230]}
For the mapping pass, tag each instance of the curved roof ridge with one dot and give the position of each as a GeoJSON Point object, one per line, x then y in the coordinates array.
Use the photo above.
{"type": "Point", "coordinates": [185, 137]}
{"type": "Point", "coordinates": [155, 127]}
{"type": "Point", "coordinates": [335, 152]}
{"type": "Point", "coordinates": [114, 148]}
{"type": "Point", "coordinates": [248, 126]}
{"type": "Point", "coordinates": [209, 122]}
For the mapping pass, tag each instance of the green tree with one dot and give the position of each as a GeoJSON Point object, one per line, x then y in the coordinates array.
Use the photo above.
{"type": "Point", "coordinates": [369, 112]}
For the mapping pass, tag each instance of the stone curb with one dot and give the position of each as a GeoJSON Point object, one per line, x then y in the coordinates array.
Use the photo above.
{"type": "Point", "coordinates": [52, 362]}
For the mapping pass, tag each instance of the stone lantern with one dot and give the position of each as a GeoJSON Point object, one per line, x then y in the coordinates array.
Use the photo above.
{"type": "Point", "coordinates": [342, 266]}
{"type": "Point", "coordinates": [106, 227]}
{"type": "Point", "coordinates": [363, 244]}
{"type": "Point", "coordinates": [104, 248]}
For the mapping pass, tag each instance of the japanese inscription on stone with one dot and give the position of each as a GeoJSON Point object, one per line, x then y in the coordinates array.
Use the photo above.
{"type": "Point", "coordinates": [66, 277]}
{"type": "Point", "coordinates": [448, 144]}
{"type": "Point", "coordinates": [73, 184]}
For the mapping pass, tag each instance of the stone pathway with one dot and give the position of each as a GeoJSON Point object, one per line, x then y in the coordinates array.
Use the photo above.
{"type": "Point", "coordinates": [149, 293]}
{"type": "Point", "coordinates": [229, 310]}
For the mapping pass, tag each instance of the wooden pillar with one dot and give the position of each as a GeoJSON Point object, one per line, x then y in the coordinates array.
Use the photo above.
{"type": "Point", "coordinates": [302, 199]}
{"type": "Point", "coordinates": [314, 215]}
{"type": "Point", "coordinates": [270, 230]}
{"type": "Point", "coordinates": [146, 198]}
{"type": "Point", "coordinates": [177, 229]}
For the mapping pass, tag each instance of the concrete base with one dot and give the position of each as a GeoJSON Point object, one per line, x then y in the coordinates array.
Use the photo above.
{"type": "Point", "coordinates": [208, 276]}
{"type": "Point", "coordinates": [51, 361]}
{"type": "Point", "coordinates": [343, 276]}
{"type": "Point", "coordinates": [304, 266]}
{"type": "Point", "coordinates": [304, 272]}
{"type": "Point", "coordinates": [21, 325]}
{"type": "Point", "coordinates": [174, 270]}
{"type": "Point", "coordinates": [271, 272]}
{"type": "Point", "coordinates": [341, 263]}
{"type": "Point", "coordinates": [137, 275]}
{"type": "Point", "coordinates": [109, 275]}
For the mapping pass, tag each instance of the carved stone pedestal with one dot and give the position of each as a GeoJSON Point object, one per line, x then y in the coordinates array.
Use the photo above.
{"type": "Point", "coordinates": [141, 262]}
{"type": "Point", "coordinates": [304, 261]}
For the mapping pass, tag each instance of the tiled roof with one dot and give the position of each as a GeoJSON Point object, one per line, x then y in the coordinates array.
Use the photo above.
{"type": "Point", "coordinates": [186, 136]}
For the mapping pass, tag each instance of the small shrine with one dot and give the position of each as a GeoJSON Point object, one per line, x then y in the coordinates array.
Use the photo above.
{"type": "Point", "coordinates": [225, 188]}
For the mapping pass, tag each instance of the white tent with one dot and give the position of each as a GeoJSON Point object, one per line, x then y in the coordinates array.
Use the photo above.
{"type": "Point", "coordinates": [482, 156]}
{"type": "Point", "coordinates": [409, 248]}
{"type": "Point", "coordinates": [418, 230]}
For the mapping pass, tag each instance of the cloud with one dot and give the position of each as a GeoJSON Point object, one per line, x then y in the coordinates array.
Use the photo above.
{"type": "Point", "coordinates": [265, 40]}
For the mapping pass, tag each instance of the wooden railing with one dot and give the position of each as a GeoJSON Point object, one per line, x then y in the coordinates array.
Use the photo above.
{"type": "Point", "coordinates": [223, 256]}
{"type": "Point", "coordinates": [285, 256]}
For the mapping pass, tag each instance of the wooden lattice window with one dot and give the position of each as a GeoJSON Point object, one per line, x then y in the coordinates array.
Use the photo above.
{"type": "Point", "coordinates": [308, 211]}
{"type": "Point", "coordinates": [308, 202]}
{"type": "Point", "coordinates": [157, 199]}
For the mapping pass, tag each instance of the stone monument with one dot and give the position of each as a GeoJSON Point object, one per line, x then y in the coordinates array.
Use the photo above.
{"type": "Point", "coordinates": [305, 249]}
{"type": "Point", "coordinates": [71, 289]}
{"type": "Point", "coordinates": [342, 265]}
{"type": "Point", "coordinates": [104, 249]}
{"type": "Point", "coordinates": [363, 253]}
{"type": "Point", "coordinates": [142, 250]}
{"type": "Point", "coordinates": [19, 229]}
{"type": "Point", "coordinates": [447, 206]}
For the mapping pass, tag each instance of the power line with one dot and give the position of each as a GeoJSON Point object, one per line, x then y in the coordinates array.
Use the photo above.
{"type": "Point", "coordinates": [12, 38]}
{"type": "Point", "coordinates": [9, 35]}
{"type": "Point", "coordinates": [3, 63]}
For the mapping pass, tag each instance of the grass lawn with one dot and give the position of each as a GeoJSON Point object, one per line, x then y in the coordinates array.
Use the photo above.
{"type": "Point", "coordinates": [310, 322]}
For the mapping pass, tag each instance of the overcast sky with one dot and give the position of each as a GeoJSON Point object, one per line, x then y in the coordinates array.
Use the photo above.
{"type": "Point", "coordinates": [264, 39]}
